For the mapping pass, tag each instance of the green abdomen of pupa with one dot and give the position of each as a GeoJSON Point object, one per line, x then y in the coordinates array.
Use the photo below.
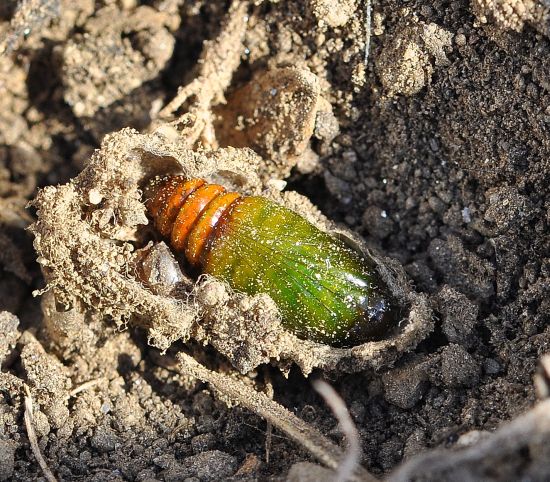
{"type": "Point", "coordinates": [325, 291]}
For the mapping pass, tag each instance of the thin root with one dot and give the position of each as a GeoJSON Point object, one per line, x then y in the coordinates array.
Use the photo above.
{"type": "Point", "coordinates": [29, 425]}
{"type": "Point", "coordinates": [350, 463]}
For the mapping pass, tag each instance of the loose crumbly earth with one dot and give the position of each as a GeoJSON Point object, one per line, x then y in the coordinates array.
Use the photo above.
{"type": "Point", "coordinates": [436, 151]}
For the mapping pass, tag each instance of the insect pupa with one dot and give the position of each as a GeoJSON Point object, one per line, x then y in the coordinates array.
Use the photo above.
{"type": "Point", "coordinates": [326, 291]}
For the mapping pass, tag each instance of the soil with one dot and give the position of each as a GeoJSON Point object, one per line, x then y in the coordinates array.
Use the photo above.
{"type": "Point", "coordinates": [435, 149]}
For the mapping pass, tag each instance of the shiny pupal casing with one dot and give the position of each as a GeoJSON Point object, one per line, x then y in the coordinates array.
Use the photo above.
{"type": "Point", "coordinates": [325, 290]}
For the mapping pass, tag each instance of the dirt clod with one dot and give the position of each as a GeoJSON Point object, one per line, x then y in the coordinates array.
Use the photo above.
{"type": "Point", "coordinates": [405, 387]}
{"type": "Point", "coordinates": [8, 333]}
{"type": "Point", "coordinates": [459, 315]}
{"type": "Point", "coordinates": [103, 92]}
{"type": "Point", "coordinates": [334, 13]}
{"type": "Point", "coordinates": [462, 269]}
{"type": "Point", "coordinates": [458, 367]}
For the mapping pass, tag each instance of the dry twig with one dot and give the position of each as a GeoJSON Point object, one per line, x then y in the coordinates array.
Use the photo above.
{"type": "Point", "coordinates": [85, 386]}
{"type": "Point", "coordinates": [219, 59]}
{"type": "Point", "coordinates": [29, 425]}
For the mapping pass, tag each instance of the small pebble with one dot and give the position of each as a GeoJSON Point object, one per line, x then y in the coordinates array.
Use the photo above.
{"type": "Point", "coordinates": [460, 39]}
